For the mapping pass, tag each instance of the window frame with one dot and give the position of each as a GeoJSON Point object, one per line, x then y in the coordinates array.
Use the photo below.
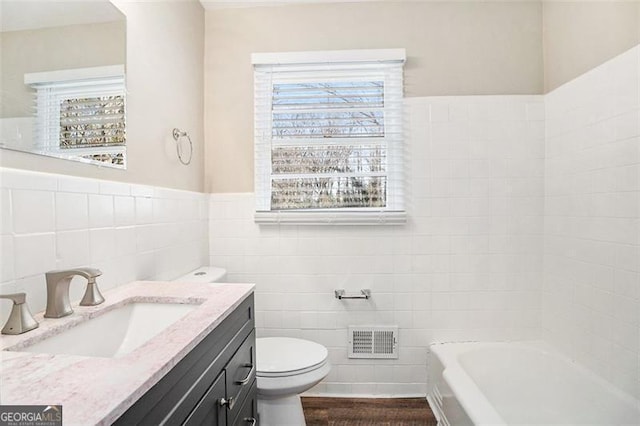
{"type": "Point", "coordinates": [377, 62]}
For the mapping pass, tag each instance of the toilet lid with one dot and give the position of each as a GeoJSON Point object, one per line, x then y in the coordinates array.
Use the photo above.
{"type": "Point", "coordinates": [282, 355]}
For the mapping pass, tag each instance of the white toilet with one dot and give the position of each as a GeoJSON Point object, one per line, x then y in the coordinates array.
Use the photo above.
{"type": "Point", "coordinates": [285, 368]}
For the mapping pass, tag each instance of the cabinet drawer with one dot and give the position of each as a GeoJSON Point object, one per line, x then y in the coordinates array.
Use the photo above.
{"type": "Point", "coordinates": [247, 414]}
{"type": "Point", "coordinates": [241, 373]}
{"type": "Point", "coordinates": [209, 411]}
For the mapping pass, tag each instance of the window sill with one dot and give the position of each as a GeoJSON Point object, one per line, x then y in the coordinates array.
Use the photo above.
{"type": "Point", "coordinates": [331, 218]}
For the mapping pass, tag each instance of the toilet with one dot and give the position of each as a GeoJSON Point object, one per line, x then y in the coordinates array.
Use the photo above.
{"type": "Point", "coordinates": [204, 274]}
{"type": "Point", "coordinates": [285, 367]}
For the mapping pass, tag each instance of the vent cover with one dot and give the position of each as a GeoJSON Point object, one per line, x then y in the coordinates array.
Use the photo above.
{"type": "Point", "coordinates": [373, 342]}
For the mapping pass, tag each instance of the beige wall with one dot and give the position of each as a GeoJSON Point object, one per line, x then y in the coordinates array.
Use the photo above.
{"type": "Point", "coordinates": [580, 35]}
{"type": "Point", "coordinates": [49, 49]}
{"type": "Point", "coordinates": [165, 50]}
{"type": "Point", "coordinates": [453, 48]}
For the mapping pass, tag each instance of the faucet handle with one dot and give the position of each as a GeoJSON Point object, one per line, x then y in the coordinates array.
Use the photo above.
{"type": "Point", "coordinates": [88, 272]}
{"type": "Point", "coordinates": [20, 319]}
{"type": "Point", "coordinates": [92, 295]}
{"type": "Point", "coordinates": [18, 298]}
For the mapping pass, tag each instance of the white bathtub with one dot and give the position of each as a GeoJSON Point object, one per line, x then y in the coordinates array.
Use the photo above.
{"type": "Point", "coordinates": [524, 383]}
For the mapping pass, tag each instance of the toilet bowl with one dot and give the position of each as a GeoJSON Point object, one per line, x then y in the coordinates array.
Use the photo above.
{"type": "Point", "coordinates": [285, 368]}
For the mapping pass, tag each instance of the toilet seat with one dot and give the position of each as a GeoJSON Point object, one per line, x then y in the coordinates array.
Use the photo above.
{"type": "Point", "coordinates": [291, 373]}
{"type": "Point", "coordinates": [285, 368]}
{"type": "Point", "coordinates": [285, 356]}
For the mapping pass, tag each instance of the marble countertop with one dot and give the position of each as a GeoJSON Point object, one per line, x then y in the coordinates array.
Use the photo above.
{"type": "Point", "coordinates": [95, 390]}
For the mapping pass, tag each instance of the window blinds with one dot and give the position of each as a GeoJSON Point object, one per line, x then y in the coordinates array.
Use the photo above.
{"type": "Point", "coordinates": [328, 136]}
{"type": "Point", "coordinates": [83, 116]}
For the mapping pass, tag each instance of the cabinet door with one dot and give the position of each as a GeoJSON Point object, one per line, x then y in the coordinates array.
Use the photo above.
{"type": "Point", "coordinates": [241, 373]}
{"type": "Point", "coordinates": [209, 410]}
{"type": "Point", "coordinates": [248, 413]}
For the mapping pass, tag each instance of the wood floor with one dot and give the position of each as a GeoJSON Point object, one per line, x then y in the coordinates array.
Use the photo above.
{"type": "Point", "coordinates": [367, 412]}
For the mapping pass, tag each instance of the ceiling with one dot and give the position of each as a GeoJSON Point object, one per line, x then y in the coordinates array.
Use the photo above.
{"type": "Point", "coordinates": [16, 15]}
{"type": "Point", "coordinates": [223, 4]}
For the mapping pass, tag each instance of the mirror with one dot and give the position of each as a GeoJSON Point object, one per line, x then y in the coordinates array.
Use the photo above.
{"type": "Point", "coordinates": [62, 81]}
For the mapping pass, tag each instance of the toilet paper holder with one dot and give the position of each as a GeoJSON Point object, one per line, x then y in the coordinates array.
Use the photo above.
{"type": "Point", "coordinates": [340, 294]}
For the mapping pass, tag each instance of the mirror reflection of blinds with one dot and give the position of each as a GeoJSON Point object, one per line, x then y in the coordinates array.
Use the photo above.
{"type": "Point", "coordinates": [330, 139]}
{"type": "Point", "coordinates": [81, 114]}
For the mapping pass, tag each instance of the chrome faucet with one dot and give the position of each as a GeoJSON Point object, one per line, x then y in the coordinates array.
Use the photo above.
{"type": "Point", "coordinates": [58, 304]}
{"type": "Point", "coordinates": [20, 319]}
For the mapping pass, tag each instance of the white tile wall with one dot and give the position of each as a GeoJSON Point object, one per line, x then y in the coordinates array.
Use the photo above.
{"type": "Point", "coordinates": [591, 294]}
{"type": "Point", "coordinates": [128, 231]}
{"type": "Point", "coordinates": [466, 266]}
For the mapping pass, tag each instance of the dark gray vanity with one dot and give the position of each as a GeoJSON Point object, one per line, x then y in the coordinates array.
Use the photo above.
{"type": "Point", "coordinates": [215, 384]}
{"type": "Point", "coordinates": [193, 363]}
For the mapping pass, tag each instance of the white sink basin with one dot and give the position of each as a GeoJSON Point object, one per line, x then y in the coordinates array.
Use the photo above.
{"type": "Point", "coordinates": [115, 333]}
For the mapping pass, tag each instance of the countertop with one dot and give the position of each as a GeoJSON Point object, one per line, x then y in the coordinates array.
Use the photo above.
{"type": "Point", "coordinates": [95, 390]}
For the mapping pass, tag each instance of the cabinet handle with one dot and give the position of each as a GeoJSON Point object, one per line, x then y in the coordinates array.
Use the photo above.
{"type": "Point", "coordinates": [248, 378]}
{"type": "Point", "coordinates": [229, 403]}
{"type": "Point", "coordinates": [251, 420]}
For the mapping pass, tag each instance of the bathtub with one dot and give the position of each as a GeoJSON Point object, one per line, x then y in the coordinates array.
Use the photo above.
{"type": "Point", "coordinates": [525, 383]}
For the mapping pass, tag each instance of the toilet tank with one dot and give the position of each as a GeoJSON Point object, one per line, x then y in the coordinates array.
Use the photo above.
{"type": "Point", "coordinates": [204, 274]}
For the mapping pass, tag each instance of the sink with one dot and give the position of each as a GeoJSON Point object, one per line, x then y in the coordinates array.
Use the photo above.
{"type": "Point", "coordinates": [115, 333]}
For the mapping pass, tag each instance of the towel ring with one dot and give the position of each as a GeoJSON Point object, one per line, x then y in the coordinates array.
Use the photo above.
{"type": "Point", "coordinates": [177, 135]}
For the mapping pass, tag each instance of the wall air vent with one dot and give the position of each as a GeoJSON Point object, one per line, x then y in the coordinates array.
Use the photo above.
{"type": "Point", "coordinates": [373, 342]}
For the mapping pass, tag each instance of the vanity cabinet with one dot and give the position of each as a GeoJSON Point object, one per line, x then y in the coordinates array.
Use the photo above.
{"type": "Point", "coordinates": [215, 384]}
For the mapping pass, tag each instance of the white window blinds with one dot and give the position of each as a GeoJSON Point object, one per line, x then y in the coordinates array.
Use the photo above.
{"type": "Point", "coordinates": [81, 116]}
{"type": "Point", "coordinates": [328, 137]}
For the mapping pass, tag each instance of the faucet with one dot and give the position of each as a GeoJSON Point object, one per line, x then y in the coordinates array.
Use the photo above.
{"type": "Point", "coordinates": [20, 319]}
{"type": "Point", "coordinates": [58, 304]}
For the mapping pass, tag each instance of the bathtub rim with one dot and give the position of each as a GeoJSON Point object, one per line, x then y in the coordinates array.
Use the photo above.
{"type": "Point", "coordinates": [466, 391]}
{"type": "Point", "coordinates": [477, 407]}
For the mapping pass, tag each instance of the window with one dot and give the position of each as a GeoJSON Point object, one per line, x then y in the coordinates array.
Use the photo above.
{"type": "Point", "coordinates": [81, 114]}
{"type": "Point", "coordinates": [328, 137]}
